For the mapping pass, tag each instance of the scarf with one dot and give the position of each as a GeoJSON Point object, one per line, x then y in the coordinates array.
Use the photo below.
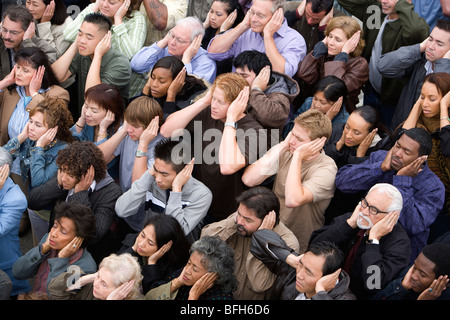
{"type": "Point", "coordinates": [40, 283]}
{"type": "Point", "coordinates": [437, 163]}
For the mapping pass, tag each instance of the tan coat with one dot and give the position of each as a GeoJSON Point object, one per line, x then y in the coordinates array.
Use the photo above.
{"type": "Point", "coordinates": [255, 279]}
{"type": "Point", "coordinates": [9, 100]}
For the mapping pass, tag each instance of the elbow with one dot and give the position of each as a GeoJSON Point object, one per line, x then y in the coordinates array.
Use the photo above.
{"type": "Point", "coordinates": [247, 180]}
{"type": "Point", "coordinates": [227, 170]}
{"type": "Point", "coordinates": [292, 202]}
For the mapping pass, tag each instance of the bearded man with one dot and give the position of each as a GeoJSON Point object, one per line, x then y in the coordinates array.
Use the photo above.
{"type": "Point", "coordinates": [376, 247]}
{"type": "Point", "coordinates": [258, 209]}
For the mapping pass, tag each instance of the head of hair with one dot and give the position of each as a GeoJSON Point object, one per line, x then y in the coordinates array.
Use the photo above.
{"type": "Point", "coordinates": [321, 5]}
{"type": "Point", "coordinates": [441, 80]}
{"type": "Point", "coordinates": [349, 26]}
{"type": "Point", "coordinates": [422, 137]}
{"type": "Point", "coordinates": [254, 61]}
{"type": "Point", "coordinates": [19, 14]}
{"type": "Point", "coordinates": [171, 152]}
{"type": "Point", "coordinates": [332, 87]}
{"type": "Point", "coordinates": [276, 4]}
{"type": "Point", "coordinates": [134, 6]}
{"type": "Point", "coordinates": [438, 253]}
{"type": "Point", "coordinates": [167, 228]}
{"type": "Point", "coordinates": [35, 57]}
{"type": "Point", "coordinates": [5, 158]}
{"type": "Point", "coordinates": [60, 14]}
{"type": "Point", "coordinates": [334, 257]}
{"type": "Point", "coordinates": [443, 24]}
{"type": "Point", "coordinates": [392, 193]}
{"type": "Point", "coordinates": [107, 97]}
{"type": "Point", "coordinates": [261, 201]}
{"type": "Point", "coordinates": [81, 216]}
{"type": "Point", "coordinates": [124, 268]}
{"type": "Point", "coordinates": [194, 24]}
{"type": "Point", "coordinates": [175, 65]}
{"type": "Point", "coordinates": [231, 84]}
{"type": "Point", "coordinates": [100, 20]}
{"type": "Point", "coordinates": [217, 257]}
{"type": "Point", "coordinates": [230, 6]}
{"type": "Point", "coordinates": [56, 113]}
{"type": "Point", "coordinates": [142, 110]}
{"type": "Point", "coordinates": [315, 123]}
{"type": "Point", "coordinates": [372, 116]}
{"type": "Point", "coordinates": [78, 157]}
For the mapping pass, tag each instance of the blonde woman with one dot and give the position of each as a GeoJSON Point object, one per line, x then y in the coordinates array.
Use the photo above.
{"type": "Point", "coordinates": [338, 54]}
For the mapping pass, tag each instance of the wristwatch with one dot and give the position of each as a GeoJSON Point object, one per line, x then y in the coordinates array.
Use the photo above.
{"type": "Point", "coordinates": [231, 124]}
{"type": "Point", "coordinates": [373, 241]}
{"type": "Point", "coordinates": [140, 153]}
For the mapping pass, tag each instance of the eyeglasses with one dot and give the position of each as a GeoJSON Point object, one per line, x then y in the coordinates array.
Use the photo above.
{"type": "Point", "coordinates": [177, 40]}
{"type": "Point", "coordinates": [372, 210]}
{"type": "Point", "coordinates": [11, 32]}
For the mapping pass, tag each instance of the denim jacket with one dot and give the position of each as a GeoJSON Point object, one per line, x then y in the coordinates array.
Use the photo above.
{"type": "Point", "coordinates": [35, 162]}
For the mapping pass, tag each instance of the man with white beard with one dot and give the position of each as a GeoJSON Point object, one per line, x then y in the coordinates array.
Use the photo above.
{"type": "Point", "coordinates": [376, 247]}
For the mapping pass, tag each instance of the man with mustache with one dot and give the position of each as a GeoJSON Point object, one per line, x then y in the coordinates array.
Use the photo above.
{"type": "Point", "coordinates": [414, 63]}
{"type": "Point", "coordinates": [258, 209]}
{"type": "Point", "coordinates": [17, 31]}
{"type": "Point", "coordinates": [375, 246]}
{"type": "Point", "coordinates": [404, 166]}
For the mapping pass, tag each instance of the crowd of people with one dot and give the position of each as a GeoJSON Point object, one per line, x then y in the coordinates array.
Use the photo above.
{"type": "Point", "coordinates": [225, 150]}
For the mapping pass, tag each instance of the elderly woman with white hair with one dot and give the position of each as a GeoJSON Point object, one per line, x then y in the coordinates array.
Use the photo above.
{"type": "Point", "coordinates": [118, 278]}
{"type": "Point", "coordinates": [12, 205]}
{"type": "Point", "coordinates": [208, 275]}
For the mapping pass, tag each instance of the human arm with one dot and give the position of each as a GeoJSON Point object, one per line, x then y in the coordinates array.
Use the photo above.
{"type": "Point", "coordinates": [188, 211]}
{"type": "Point", "coordinates": [398, 63]}
{"type": "Point", "coordinates": [296, 194]}
{"type": "Point", "coordinates": [109, 146]}
{"type": "Point", "coordinates": [45, 195]}
{"type": "Point", "coordinates": [61, 66]}
{"type": "Point", "coordinates": [272, 52]}
{"type": "Point", "coordinates": [180, 119]}
{"type": "Point", "coordinates": [445, 5]}
{"type": "Point", "coordinates": [223, 42]}
{"type": "Point", "coordinates": [93, 77]}
{"type": "Point", "coordinates": [130, 35]}
{"type": "Point", "coordinates": [147, 136]}
{"type": "Point", "coordinates": [414, 115]}
{"type": "Point", "coordinates": [145, 58]}
{"type": "Point", "coordinates": [231, 158]}
{"type": "Point", "coordinates": [266, 166]}
{"type": "Point", "coordinates": [157, 13]}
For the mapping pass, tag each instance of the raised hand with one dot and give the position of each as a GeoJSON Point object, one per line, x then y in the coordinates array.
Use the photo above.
{"type": "Point", "coordinates": [365, 144]}
{"type": "Point", "coordinates": [192, 50]}
{"type": "Point", "coordinates": [30, 32]}
{"type": "Point", "coordinates": [351, 44]}
{"type": "Point", "coordinates": [149, 133]}
{"type": "Point", "coordinates": [159, 253]}
{"type": "Point", "coordinates": [177, 85]}
{"type": "Point", "coordinates": [121, 12]}
{"type": "Point", "coordinates": [384, 226]}
{"type": "Point", "coordinates": [262, 79]}
{"type": "Point", "coordinates": [274, 23]}
{"type": "Point", "coordinates": [122, 291]}
{"type": "Point", "coordinates": [86, 180]}
{"type": "Point", "coordinates": [238, 106]}
{"type": "Point", "coordinates": [47, 137]}
{"type": "Point", "coordinates": [228, 21]}
{"type": "Point", "coordinates": [36, 80]}
{"type": "Point", "coordinates": [335, 108]}
{"type": "Point", "coordinates": [413, 168]}
{"type": "Point", "coordinates": [202, 284]}
{"type": "Point", "coordinates": [71, 248]}
{"type": "Point", "coordinates": [310, 149]}
{"type": "Point", "coordinates": [48, 12]}
{"type": "Point", "coordinates": [4, 174]}
{"type": "Point", "coordinates": [183, 176]}
{"type": "Point", "coordinates": [268, 221]}
{"type": "Point", "coordinates": [107, 121]}
{"type": "Point", "coordinates": [103, 46]}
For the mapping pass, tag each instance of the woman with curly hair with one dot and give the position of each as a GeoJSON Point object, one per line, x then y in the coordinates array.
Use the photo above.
{"type": "Point", "coordinates": [82, 178]}
{"type": "Point", "coordinates": [118, 278]}
{"type": "Point", "coordinates": [36, 147]}
{"type": "Point", "coordinates": [208, 275]}
{"type": "Point", "coordinates": [47, 131]}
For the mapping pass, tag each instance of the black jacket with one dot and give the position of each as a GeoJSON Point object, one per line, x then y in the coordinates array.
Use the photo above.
{"type": "Point", "coordinates": [268, 247]}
